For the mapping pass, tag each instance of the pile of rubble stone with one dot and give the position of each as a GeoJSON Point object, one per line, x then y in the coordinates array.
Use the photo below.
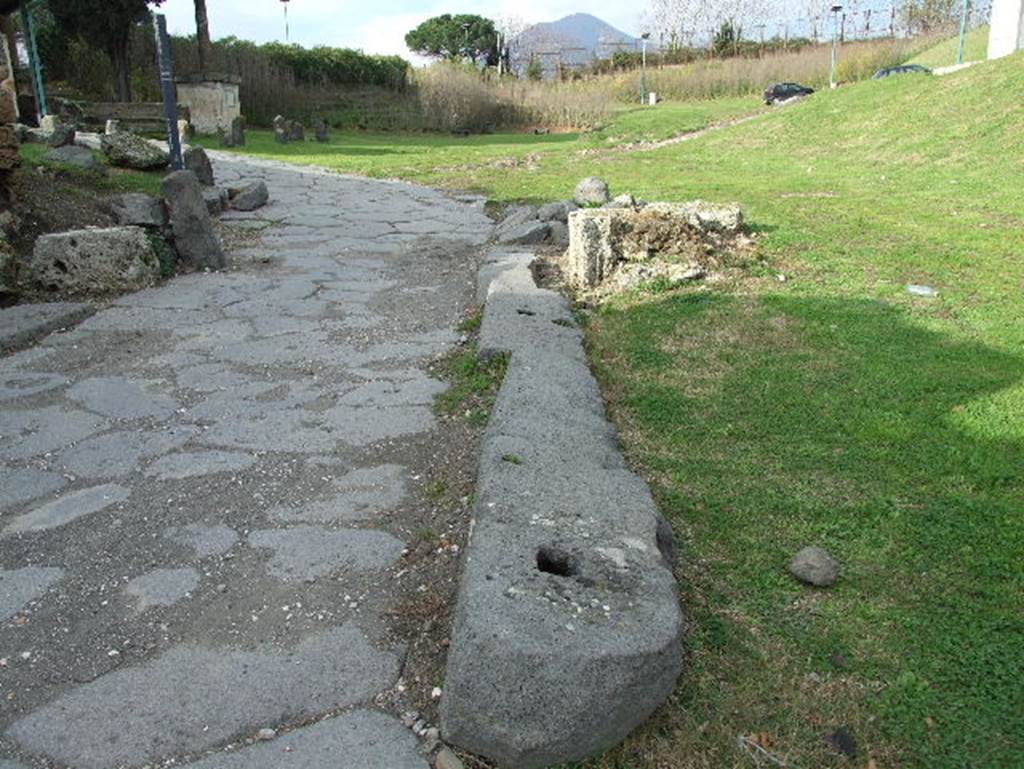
{"type": "Point", "coordinates": [154, 234]}
{"type": "Point", "coordinates": [618, 243]}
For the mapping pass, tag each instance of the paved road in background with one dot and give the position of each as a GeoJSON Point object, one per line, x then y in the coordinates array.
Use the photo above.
{"type": "Point", "coordinates": [201, 489]}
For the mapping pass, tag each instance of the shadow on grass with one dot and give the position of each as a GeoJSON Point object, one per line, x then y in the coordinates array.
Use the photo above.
{"type": "Point", "coordinates": [769, 423]}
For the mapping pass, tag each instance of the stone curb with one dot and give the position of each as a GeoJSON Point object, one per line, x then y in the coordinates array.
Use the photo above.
{"type": "Point", "coordinates": [24, 324]}
{"type": "Point", "coordinates": [567, 633]}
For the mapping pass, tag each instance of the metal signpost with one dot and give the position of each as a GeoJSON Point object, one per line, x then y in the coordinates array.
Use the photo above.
{"type": "Point", "coordinates": [163, 55]}
{"type": "Point", "coordinates": [963, 31]}
{"type": "Point", "coordinates": [835, 44]}
{"type": "Point", "coordinates": [28, 24]}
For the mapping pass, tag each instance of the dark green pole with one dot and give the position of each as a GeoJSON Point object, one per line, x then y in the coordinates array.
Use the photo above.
{"type": "Point", "coordinates": [963, 31]}
{"type": "Point", "coordinates": [38, 82]}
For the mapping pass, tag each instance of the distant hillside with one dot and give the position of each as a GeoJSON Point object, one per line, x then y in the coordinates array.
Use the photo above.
{"type": "Point", "coordinates": [575, 41]}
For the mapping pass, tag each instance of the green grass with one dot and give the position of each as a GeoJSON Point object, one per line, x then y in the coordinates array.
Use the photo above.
{"type": "Point", "coordinates": [446, 159]}
{"type": "Point", "coordinates": [833, 409]}
{"type": "Point", "coordinates": [945, 53]}
{"type": "Point", "coordinates": [115, 180]}
{"type": "Point", "coordinates": [473, 385]}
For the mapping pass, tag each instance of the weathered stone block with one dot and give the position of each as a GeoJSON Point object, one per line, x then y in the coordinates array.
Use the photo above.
{"type": "Point", "coordinates": [592, 192]}
{"type": "Point", "coordinates": [194, 238]}
{"type": "Point", "coordinates": [130, 151]}
{"type": "Point", "coordinates": [114, 259]}
{"type": "Point", "coordinates": [198, 162]}
{"type": "Point", "coordinates": [591, 246]}
{"type": "Point", "coordinates": [251, 197]}
{"type": "Point", "coordinates": [139, 209]}
{"type": "Point", "coordinates": [79, 157]}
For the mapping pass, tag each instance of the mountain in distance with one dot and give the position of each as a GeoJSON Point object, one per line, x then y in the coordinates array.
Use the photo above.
{"type": "Point", "coordinates": [575, 41]}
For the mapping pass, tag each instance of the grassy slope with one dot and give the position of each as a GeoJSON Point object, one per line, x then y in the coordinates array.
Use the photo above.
{"type": "Point", "coordinates": [836, 409]}
{"type": "Point", "coordinates": [116, 179]}
{"type": "Point", "coordinates": [945, 53]}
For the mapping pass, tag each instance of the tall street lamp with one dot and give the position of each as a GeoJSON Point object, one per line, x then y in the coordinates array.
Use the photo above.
{"type": "Point", "coordinates": [835, 43]}
{"type": "Point", "coordinates": [643, 67]}
{"type": "Point", "coordinates": [287, 32]}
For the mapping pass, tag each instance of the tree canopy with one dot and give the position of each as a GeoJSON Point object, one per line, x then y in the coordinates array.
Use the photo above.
{"type": "Point", "coordinates": [106, 24]}
{"type": "Point", "coordinates": [454, 37]}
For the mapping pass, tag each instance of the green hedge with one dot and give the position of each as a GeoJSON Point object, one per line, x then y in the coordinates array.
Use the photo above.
{"type": "Point", "coordinates": [327, 66]}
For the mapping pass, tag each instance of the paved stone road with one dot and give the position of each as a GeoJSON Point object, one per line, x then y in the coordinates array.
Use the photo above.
{"type": "Point", "coordinates": [198, 489]}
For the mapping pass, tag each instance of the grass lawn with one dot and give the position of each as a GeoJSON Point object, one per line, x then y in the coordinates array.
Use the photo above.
{"type": "Point", "coordinates": [833, 408]}
{"type": "Point", "coordinates": [447, 159]}
{"type": "Point", "coordinates": [116, 179]}
{"type": "Point", "coordinates": [945, 53]}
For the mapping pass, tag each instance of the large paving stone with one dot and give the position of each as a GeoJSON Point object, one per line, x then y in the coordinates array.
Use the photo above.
{"type": "Point", "coordinates": [204, 540]}
{"type": "Point", "coordinates": [362, 494]}
{"type": "Point", "coordinates": [194, 698]}
{"type": "Point", "coordinates": [117, 454]}
{"type": "Point", "coordinates": [162, 587]}
{"type": "Point", "coordinates": [195, 463]}
{"type": "Point", "coordinates": [23, 383]}
{"type": "Point", "coordinates": [23, 485]}
{"type": "Point", "coordinates": [362, 739]}
{"type": "Point", "coordinates": [20, 586]}
{"type": "Point", "coordinates": [24, 324]}
{"type": "Point", "coordinates": [28, 433]}
{"type": "Point", "coordinates": [68, 508]}
{"type": "Point", "coordinates": [123, 398]}
{"type": "Point", "coordinates": [309, 552]}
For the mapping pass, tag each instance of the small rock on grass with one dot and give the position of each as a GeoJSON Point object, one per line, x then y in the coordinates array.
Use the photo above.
{"type": "Point", "coordinates": [815, 566]}
{"type": "Point", "coordinates": [446, 759]}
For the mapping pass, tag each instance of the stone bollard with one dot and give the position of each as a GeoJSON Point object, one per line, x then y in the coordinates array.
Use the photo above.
{"type": "Point", "coordinates": [323, 131]}
{"type": "Point", "coordinates": [112, 127]}
{"type": "Point", "coordinates": [282, 134]}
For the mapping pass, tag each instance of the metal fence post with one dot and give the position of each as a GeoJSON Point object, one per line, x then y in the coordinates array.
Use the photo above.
{"type": "Point", "coordinates": [163, 55]}
{"type": "Point", "coordinates": [38, 81]}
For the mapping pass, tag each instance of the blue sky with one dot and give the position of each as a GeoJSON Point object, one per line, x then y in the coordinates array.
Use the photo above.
{"type": "Point", "coordinates": [375, 27]}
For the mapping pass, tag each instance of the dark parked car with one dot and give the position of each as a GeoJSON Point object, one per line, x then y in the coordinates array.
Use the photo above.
{"type": "Point", "coordinates": [903, 69]}
{"type": "Point", "coordinates": [785, 92]}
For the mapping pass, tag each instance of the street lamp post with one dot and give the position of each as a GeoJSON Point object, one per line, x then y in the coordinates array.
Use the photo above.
{"type": "Point", "coordinates": [643, 67]}
{"type": "Point", "coordinates": [287, 32]}
{"type": "Point", "coordinates": [835, 44]}
{"type": "Point", "coordinates": [465, 39]}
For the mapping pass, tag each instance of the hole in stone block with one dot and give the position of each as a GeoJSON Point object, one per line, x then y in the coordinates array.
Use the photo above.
{"type": "Point", "coordinates": [526, 312]}
{"type": "Point", "coordinates": [554, 560]}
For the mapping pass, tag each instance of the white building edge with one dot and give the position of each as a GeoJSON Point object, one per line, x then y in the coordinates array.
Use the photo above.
{"type": "Point", "coordinates": [1006, 30]}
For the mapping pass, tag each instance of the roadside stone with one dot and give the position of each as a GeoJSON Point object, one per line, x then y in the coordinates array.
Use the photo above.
{"type": "Point", "coordinates": [558, 234]}
{"type": "Point", "coordinates": [557, 212]}
{"type": "Point", "coordinates": [68, 508]}
{"type": "Point", "coordinates": [95, 261]}
{"type": "Point", "coordinates": [251, 197]}
{"type": "Point", "coordinates": [198, 162]}
{"type": "Point", "coordinates": [21, 586]}
{"type": "Point", "coordinates": [139, 210]}
{"type": "Point", "coordinates": [236, 136]}
{"type": "Point", "coordinates": [526, 234]}
{"type": "Point", "coordinates": [281, 130]}
{"type": "Point", "coordinates": [296, 131]}
{"type": "Point", "coordinates": [127, 150]}
{"type": "Point", "coordinates": [79, 157]}
{"type": "Point", "coordinates": [112, 127]}
{"type": "Point", "coordinates": [162, 587]}
{"type": "Point", "coordinates": [61, 136]}
{"type": "Point", "coordinates": [621, 201]}
{"type": "Point", "coordinates": [323, 131]}
{"type": "Point", "coordinates": [214, 199]}
{"type": "Point", "coordinates": [815, 566]}
{"type": "Point", "coordinates": [446, 759]}
{"type": "Point", "coordinates": [197, 244]}
{"type": "Point", "coordinates": [514, 218]}
{"type": "Point", "coordinates": [925, 291]}
{"type": "Point", "coordinates": [591, 192]}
